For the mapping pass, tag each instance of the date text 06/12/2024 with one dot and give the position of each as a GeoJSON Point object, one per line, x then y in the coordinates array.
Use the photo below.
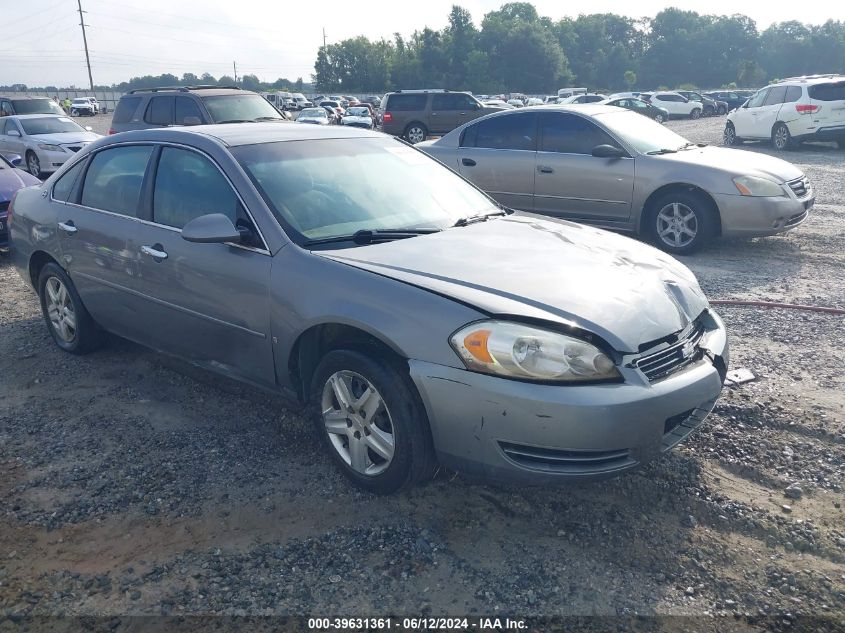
{"type": "Point", "coordinates": [416, 624]}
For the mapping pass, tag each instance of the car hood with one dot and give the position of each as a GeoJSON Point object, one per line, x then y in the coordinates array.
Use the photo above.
{"type": "Point", "coordinates": [13, 179]}
{"type": "Point", "coordinates": [64, 138]}
{"type": "Point", "coordinates": [737, 162]}
{"type": "Point", "coordinates": [538, 268]}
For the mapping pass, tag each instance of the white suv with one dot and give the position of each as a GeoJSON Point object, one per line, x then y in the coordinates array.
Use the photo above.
{"type": "Point", "coordinates": [799, 109]}
{"type": "Point", "coordinates": [677, 105]}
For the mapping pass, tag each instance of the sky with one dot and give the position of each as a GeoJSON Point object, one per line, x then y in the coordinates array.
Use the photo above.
{"type": "Point", "coordinates": [42, 41]}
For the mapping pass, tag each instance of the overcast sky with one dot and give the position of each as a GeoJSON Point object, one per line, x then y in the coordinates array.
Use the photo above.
{"type": "Point", "coordinates": [42, 41]}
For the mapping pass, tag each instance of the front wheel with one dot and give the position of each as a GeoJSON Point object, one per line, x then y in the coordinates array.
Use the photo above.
{"type": "Point", "coordinates": [371, 420]}
{"type": "Point", "coordinates": [33, 165]}
{"type": "Point", "coordinates": [721, 110]}
{"type": "Point", "coordinates": [681, 222]}
{"type": "Point", "coordinates": [781, 138]}
{"type": "Point", "coordinates": [415, 133]}
{"type": "Point", "coordinates": [695, 114]}
{"type": "Point", "coordinates": [74, 112]}
{"type": "Point", "coordinates": [69, 323]}
{"type": "Point", "coordinates": [730, 136]}
{"type": "Point", "coordinates": [659, 118]}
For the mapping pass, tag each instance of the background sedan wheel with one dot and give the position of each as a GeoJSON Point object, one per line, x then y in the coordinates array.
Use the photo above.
{"type": "Point", "coordinates": [695, 114]}
{"type": "Point", "coordinates": [722, 110]}
{"type": "Point", "coordinates": [781, 138]}
{"type": "Point", "coordinates": [681, 222]}
{"type": "Point", "coordinates": [371, 420]}
{"type": "Point", "coordinates": [33, 165]}
{"type": "Point", "coordinates": [415, 133]}
{"type": "Point", "coordinates": [659, 118]}
{"type": "Point", "coordinates": [70, 325]}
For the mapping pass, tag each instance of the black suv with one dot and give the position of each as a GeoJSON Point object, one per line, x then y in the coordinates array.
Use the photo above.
{"type": "Point", "coordinates": [709, 105]}
{"type": "Point", "coordinates": [28, 105]}
{"type": "Point", "coordinates": [189, 105]}
{"type": "Point", "coordinates": [414, 114]}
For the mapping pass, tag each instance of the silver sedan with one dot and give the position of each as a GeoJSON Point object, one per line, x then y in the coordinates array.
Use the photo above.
{"type": "Point", "coordinates": [613, 168]}
{"type": "Point", "coordinates": [45, 141]}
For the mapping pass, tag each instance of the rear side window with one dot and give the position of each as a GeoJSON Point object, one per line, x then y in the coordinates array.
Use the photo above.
{"type": "Point", "coordinates": [114, 179]}
{"type": "Point", "coordinates": [515, 131]}
{"type": "Point", "coordinates": [571, 134]}
{"type": "Point", "coordinates": [64, 185]}
{"type": "Point", "coordinates": [189, 185]}
{"type": "Point", "coordinates": [160, 111]}
{"type": "Point", "coordinates": [775, 96]}
{"type": "Point", "coordinates": [452, 101]}
{"type": "Point", "coordinates": [406, 103]}
{"type": "Point", "coordinates": [186, 107]}
{"type": "Point", "coordinates": [828, 92]}
{"type": "Point", "coordinates": [125, 109]}
{"type": "Point", "coordinates": [793, 93]}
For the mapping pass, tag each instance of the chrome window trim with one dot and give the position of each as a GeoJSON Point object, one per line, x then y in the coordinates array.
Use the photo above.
{"type": "Point", "coordinates": [263, 251]}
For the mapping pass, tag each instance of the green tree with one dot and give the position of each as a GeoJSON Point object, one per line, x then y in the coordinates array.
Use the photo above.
{"type": "Point", "coordinates": [630, 79]}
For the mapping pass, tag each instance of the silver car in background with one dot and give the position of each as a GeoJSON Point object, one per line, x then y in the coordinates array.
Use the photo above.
{"type": "Point", "coordinates": [421, 322]}
{"type": "Point", "coordinates": [613, 168]}
{"type": "Point", "coordinates": [45, 141]}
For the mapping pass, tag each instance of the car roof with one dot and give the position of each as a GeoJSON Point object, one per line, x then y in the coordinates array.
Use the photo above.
{"type": "Point", "coordinates": [234, 134]}
{"type": "Point", "coordinates": [809, 79]}
{"type": "Point", "coordinates": [45, 115]}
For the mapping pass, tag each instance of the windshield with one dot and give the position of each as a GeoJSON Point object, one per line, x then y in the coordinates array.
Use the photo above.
{"type": "Point", "coordinates": [641, 133]}
{"type": "Point", "coordinates": [239, 108]}
{"type": "Point", "coordinates": [358, 112]}
{"type": "Point", "coordinates": [37, 106]}
{"type": "Point", "coordinates": [310, 112]}
{"type": "Point", "coordinates": [58, 125]}
{"type": "Point", "coordinates": [402, 188]}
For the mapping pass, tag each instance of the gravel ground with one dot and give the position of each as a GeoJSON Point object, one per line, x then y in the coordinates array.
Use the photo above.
{"type": "Point", "coordinates": [133, 484]}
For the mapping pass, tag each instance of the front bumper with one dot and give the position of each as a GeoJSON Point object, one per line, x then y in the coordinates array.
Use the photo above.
{"type": "Point", "coordinates": [50, 160]}
{"type": "Point", "coordinates": [747, 216]}
{"type": "Point", "coordinates": [534, 433]}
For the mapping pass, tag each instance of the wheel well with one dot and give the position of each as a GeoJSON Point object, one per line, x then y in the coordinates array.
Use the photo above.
{"type": "Point", "coordinates": [313, 344]}
{"type": "Point", "coordinates": [38, 260]}
{"type": "Point", "coordinates": [648, 206]}
{"type": "Point", "coordinates": [420, 123]}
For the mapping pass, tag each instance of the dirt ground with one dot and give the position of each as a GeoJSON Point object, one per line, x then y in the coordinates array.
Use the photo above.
{"type": "Point", "coordinates": [133, 484]}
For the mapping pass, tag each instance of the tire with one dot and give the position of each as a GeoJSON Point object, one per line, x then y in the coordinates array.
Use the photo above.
{"type": "Point", "coordinates": [729, 135]}
{"type": "Point", "coordinates": [721, 110]}
{"type": "Point", "coordinates": [695, 114]}
{"type": "Point", "coordinates": [77, 336]}
{"type": "Point", "coordinates": [33, 165]}
{"type": "Point", "coordinates": [666, 212]}
{"type": "Point", "coordinates": [415, 133]}
{"type": "Point", "coordinates": [400, 418]}
{"type": "Point", "coordinates": [74, 112]}
{"type": "Point", "coordinates": [709, 111]}
{"type": "Point", "coordinates": [781, 138]}
{"type": "Point", "coordinates": [659, 118]}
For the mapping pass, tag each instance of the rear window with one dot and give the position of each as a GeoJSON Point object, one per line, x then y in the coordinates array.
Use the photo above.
{"type": "Point", "coordinates": [406, 103]}
{"type": "Point", "coordinates": [828, 92]}
{"type": "Point", "coordinates": [240, 107]}
{"type": "Point", "coordinates": [125, 109]}
{"type": "Point", "coordinates": [36, 106]}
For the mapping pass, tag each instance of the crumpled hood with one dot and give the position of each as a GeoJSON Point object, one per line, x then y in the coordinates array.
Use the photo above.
{"type": "Point", "coordinates": [624, 291]}
{"type": "Point", "coordinates": [737, 162]}
{"type": "Point", "coordinates": [13, 179]}
{"type": "Point", "coordinates": [63, 138]}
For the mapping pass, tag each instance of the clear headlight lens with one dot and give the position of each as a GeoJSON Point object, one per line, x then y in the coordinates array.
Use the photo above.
{"type": "Point", "coordinates": [51, 148]}
{"type": "Point", "coordinates": [758, 187]}
{"type": "Point", "coordinates": [523, 351]}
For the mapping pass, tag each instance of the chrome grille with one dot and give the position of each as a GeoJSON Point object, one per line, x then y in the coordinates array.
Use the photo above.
{"type": "Point", "coordinates": [800, 186]}
{"type": "Point", "coordinates": [670, 359]}
{"type": "Point", "coordinates": [567, 461]}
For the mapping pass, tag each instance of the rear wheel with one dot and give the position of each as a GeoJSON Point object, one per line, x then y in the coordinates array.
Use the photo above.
{"type": "Point", "coordinates": [69, 323]}
{"type": "Point", "coordinates": [781, 138]}
{"type": "Point", "coordinates": [415, 133]}
{"type": "Point", "coordinates": [659, 118]}
{"type": "Point", "coordinates": [681, 222]}
{"type": "Point", "coordinates": [695, 114]}
{"type": "Point", "coordinates": [721, 110]}
{"type": "Point", "coordinates": [371, 420]}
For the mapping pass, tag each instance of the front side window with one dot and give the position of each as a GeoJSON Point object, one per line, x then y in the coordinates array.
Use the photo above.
{"type": "Point", "coordinates": [758, 99]}
{"type": "Point", "coordinates": [514, 131]}
{"type": "Point", "coordinates": [115, 178]}
{"type": "Point", "coordinates": [189, 185]}
{"type": "Point", "coordinates": [9, 127]}
{"type": "Point", "coordinates": [571, 134]}
{"type": "Point", "coordinates": [312, 202]}
{"type": "Point", "coordinates": [64, 185]}
{"type": "Point", "coordinates": [160, 111]}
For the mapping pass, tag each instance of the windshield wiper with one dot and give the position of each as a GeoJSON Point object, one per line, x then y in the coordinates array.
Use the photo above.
{"type": "Point", "coordinates": [268, 118]}
{"type": "Point", "coordinates": [481, 217]}
{"type": "Point", "coordinates": [664, 150]}
{"type": "Point", "coordinates": [235, 121]}
{"type": "Point", "coordinates": [369, 236]}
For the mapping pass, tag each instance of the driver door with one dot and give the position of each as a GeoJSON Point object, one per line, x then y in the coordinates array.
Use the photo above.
{"type": "Point", "coordinates": [745, 119]}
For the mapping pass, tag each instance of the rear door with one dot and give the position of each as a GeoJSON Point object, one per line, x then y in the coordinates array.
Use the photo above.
{"type": "Point", "coordinates": [767, 114]}
{"type": "Point", "coordinates": [570, 181]}
{"type": "Point", "coordinates": [498, 155]}
{"type": "Point", "coordinates": [450, 110]}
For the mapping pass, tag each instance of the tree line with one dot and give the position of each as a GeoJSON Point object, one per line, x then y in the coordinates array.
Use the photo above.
{"type": "Point", "coordinates": [517, 50]}
{"type": "Point", "coordinates": [247, 82]}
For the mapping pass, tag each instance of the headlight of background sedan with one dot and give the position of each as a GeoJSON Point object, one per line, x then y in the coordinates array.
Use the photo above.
{"type": "Point", "coordinates": [51, 148]}
{"type": "Point", "coordinates": [523, 351]}
{"type": "Point", "coordinates": [758, 187]}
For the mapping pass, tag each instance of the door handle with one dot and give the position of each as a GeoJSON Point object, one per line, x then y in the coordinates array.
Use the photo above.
{"type": "Point", "coordinates": [155, 251]}
{"type": "Point", "coordinates": [68, 227]}
{"type": "Point", "coordinates": [544, 169]}
{"type": "Point", "coordinates": [467, 162]}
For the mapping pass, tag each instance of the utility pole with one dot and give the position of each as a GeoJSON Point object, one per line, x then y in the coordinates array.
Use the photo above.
{"type": "Point", "coordinates": [324, 37]}
{"type": "Point", "coordinates": [85, 41]}
{"type": "Point", "coordinates": [235, 68]}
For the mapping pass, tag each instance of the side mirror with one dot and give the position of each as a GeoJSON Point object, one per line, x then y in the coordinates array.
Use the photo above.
{"type": "Point", "coordinates": [214, 228]}
{"type": "Point", "coordinates": [13, 133]}
{"type": "Point", "coordinates": [15, 159]}
{"type": "Point", "coordinates": [607, 151]}
{"type": "Point", "coordinates": [191, 120]}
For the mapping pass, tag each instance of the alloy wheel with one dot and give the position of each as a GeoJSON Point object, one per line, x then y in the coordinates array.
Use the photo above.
{"type": "Point", "coordinates": [659, 118]}
{"type": "Point", "coordinates": [33, 165]}
{"type": "Point", "coordinates": [60, 309]}
{"type": "Point", "coordinates": [730, 135]}
{"type": "Point", "coordinates": [677, 225]}
{"type": "Point", "coordinates": [358, 422]}
{"type": "Point", "coordinates": [416, 134]}
{"type": "Point", "coordinates": [781, 137]}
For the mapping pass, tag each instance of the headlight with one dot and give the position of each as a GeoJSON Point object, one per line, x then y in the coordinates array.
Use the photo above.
{"type": "Point", "coordinates": [758, 187]}
{"type": "Point", "coordinates": [523, 351]}
{"type": "Point", "coordinates": [51, 148]}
